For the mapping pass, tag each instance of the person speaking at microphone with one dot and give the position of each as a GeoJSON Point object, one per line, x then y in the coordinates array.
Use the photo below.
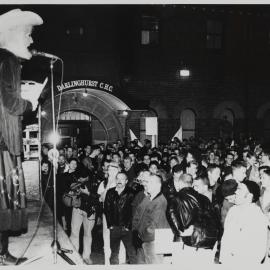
{"type": "Point", "coordinates": [15, 38]}
{"type": "Point", "coordinates": [44, 54]}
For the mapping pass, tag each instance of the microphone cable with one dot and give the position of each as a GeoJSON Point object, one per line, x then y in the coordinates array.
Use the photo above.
{"type": "Point", "coordinates": [38, 220]}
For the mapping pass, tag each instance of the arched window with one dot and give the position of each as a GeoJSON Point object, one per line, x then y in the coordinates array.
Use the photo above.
{"type": "Point", "coordinates": [226, 124]}
{"type": "Point", "coordinates": [188, 123]}
{"type": "Point", "coordinates": [228, 115]}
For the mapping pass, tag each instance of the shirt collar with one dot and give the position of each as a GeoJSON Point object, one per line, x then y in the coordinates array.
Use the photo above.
{"type": "Point", "coordinates": [153, 196]}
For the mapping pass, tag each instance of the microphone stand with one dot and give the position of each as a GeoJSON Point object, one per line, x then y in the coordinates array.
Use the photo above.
{"type": "Point", "coordinates": [55, 244]}
{"type": "Point", "coordinates": [56, 248]}
{"type": "Point", "coordinates": [39, 151]}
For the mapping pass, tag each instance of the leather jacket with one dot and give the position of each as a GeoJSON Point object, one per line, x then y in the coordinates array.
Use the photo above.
{"type": "Point", "coordinates": [118, 208]}
{"type": "Point", "coordinates": [168, 189]}
{"type": "Point", "coordinates": [186, 209]}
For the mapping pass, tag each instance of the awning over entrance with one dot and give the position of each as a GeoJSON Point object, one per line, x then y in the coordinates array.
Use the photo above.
{"type": "Point", "coordinates": [101, 104]}
{"type": "Point", "coordinates": [112, 101]}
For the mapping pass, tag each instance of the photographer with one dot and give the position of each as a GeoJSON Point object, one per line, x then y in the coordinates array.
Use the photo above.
{"type": "Point", "coordinates": [83, 212]}
{"type": "Point", "coordinates": [63, 183]}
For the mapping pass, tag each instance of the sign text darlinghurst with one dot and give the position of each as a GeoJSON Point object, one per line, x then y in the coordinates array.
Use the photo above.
{"type": "Point", "coordinates": [85, 83]}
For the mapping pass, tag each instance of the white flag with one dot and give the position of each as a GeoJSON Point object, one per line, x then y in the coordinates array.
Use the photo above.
{"type": "Point", "coordinates": [133, 137]}
{"type": "Point", "coordinates": [179, 134]}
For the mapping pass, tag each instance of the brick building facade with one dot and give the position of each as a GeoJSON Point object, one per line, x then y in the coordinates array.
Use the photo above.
{"type": "Point", "coordinates": [140, 50]}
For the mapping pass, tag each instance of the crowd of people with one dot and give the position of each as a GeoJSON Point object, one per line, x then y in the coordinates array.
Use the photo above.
{"type": "Point", "coordinates": [213, 196]}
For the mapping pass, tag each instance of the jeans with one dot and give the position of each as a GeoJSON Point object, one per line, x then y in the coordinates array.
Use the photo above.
{"type": "Point", "coordinates": [140, 256]}
{"type": "Point", "coordinates": [79, 217]}
{"type": "Point", "coordinates": [150, 255]}
{"type": "Point", "coordinates": [3, 243]}
{"type": "Point", "coordinates": [116, 235]}
{"type": "Point", "coordinates": [106, 241]}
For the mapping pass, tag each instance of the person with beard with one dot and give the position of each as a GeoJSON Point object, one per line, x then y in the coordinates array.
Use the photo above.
{"type": "Point", "coordinates": [15, 38]}
{"type": "Point", "coordinates": [62, 165]}
{"type": "Point", "coordinates": [118, 212]}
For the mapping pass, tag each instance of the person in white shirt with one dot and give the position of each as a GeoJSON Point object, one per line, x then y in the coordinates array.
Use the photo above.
{"type": "Point", "coordinates": [244, 240]}
{"type": "Point", "coordinates": [265, 200]}
{"type": "Point", "coordinates": [265, 197]}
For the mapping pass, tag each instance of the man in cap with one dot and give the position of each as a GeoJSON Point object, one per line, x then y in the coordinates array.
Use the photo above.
{"type": "Point", "coordinates": [15, 38]}
{"type": "Point", "coordinates": [244, 240]}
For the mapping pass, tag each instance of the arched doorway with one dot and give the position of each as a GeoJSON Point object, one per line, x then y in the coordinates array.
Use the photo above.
{"type": "Point", "coordinates": [99, 108]}
{"type": "Point", "coordinates": [80, 128]}
{"type": "Point", "coordinates": [226, 124]}
{"type": "Point", "coordinates": [188, 119]}
{"type": "Point", "coordinates": [228, 115]}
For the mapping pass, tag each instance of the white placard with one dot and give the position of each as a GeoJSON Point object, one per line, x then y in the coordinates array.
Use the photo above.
{"type": "Point", "coordinates": [151, 126]}
{"type": "Point", "coordinates": [163, 241]}
{"type": "Point", "coordinates": [31, 90]}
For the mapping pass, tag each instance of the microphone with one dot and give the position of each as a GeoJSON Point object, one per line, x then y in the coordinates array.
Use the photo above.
{"type": "Point", "coordinates": [48, 55]}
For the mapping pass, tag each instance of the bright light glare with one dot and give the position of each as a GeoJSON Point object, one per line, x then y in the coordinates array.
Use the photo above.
{"type": "Point", "coordinates": [43, 113]}
{"type": "Point", "coordinates": [184, 73]}
{"type": "Point", "coordinates": [85, 94]}
{"type": "Point", "coordinates": [54, 138]}
{"type": "Point", "coordinates": [125, 113]}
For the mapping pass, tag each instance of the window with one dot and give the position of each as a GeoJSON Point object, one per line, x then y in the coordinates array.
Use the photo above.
{"type": "Point", "coordinates": [226, 124]}
{"type": "Point", "coordinates": [188, 119]}
{"type": "Point", "coordinates": [33, 134]}
{"type": "Point", "coordinates": [214, 34]}
{"type": "Point", "coordinates": [150, 31]}
{"type": "Point", "coordinates": [74, 115]}
{"type": "Point", "coordinates": [75, 32]}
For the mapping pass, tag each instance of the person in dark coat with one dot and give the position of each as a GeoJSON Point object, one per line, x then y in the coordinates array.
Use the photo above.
{"type": "Point", "coordinates": [15, 38]}
{"type": "Point", "coordinates": [118, 212]}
